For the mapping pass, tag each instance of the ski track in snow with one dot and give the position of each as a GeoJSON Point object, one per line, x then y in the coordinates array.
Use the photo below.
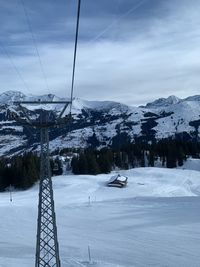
{"type": "Point", "coordinates": [154, 221]}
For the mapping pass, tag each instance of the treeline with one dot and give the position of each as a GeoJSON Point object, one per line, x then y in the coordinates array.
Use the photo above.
{"type": "Point", "coordinates": [20, 172]}
{"type": "Point", "coordinates": [169, 153]}
{"type": "Point", "coordinates": [92, 162]}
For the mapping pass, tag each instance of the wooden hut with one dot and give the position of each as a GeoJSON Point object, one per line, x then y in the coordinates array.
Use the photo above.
{"type": "Point", "coordinates": [118, 181]}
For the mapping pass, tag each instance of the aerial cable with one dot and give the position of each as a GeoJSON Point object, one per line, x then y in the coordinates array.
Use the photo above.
{"type": "Point", "coordinates": [75, 52]}
{"type": "Point", "coordinates": [134, 8]}
{"type": "Point", "coordinates": [115, 19]}
{"type": "Point", "coordinates": [35, 43]}
{"type": "Point", "coordinates": [4, 50]}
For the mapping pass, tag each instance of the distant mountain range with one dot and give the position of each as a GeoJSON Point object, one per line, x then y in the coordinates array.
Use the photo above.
{"type": "Point", "coordinates": [102, 123]}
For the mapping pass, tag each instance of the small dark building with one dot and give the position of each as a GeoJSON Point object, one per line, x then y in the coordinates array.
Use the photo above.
{"type": "Point", "coordinates": [118, 181]}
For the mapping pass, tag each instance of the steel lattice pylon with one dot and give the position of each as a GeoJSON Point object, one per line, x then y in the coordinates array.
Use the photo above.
{"type": "Point", "coordinates": [47, 251]}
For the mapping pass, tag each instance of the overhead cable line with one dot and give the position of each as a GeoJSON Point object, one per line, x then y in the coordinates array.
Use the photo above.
{"type": "Point", "coordinates": [6, 53]}
{"type": "Point", "coordinates": [75, 52]}
{"type": "Point", "coordinates": [35, 43]}
{"type": "Point", "coordinates": [134, 8]}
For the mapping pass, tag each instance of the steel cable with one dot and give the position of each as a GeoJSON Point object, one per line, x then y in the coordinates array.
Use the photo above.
{"type": "Point", "coordinates": [75, 52]}
{"type": "Point", "coordinates": [35, 44]}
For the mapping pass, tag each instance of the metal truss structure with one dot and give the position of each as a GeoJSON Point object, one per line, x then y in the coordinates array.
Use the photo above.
{"type": "Point", "coordinates": [47, 249]}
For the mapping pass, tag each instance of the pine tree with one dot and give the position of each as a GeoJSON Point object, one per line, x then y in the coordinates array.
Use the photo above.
{"type": "Point", "coordinates": [151, 158]}
{"type": "Point", "coordinates": [83, 164]}
{"type": "Point", "coordinates": [75, 165]}
{"type": "Point", "coordinates": [93, 167]}
{"type": "Point", "coordinates": [118, 159]}
{"type": "Point", "coordinates": [104, 162]}
{"type": "Point", "coordinates": [171, 155]}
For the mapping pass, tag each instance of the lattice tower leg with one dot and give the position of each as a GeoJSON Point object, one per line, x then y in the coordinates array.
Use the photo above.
{"type": "Point", "coordinates": [47, 252]}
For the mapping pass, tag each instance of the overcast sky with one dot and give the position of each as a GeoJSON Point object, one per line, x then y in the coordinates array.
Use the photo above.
{"type": "Point", "coordinates": [131, 51]}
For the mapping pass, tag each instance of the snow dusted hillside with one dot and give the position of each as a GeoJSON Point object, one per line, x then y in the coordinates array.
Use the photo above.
{"type": "Point", "coordinates": [9, 97]}
{"type": "Point", "coordinates": [109, 123]}
{"type": "Point", "coordinates": [185, 113]}
{"type": "Point", "coordinates": [103, 123]}
{"type": "Point", "coordinates": [154, 221]}
{"type": "Point", "coordinates": [163, 102]}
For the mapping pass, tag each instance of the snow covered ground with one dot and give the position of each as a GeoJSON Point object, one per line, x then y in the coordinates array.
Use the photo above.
{"type": "Point", "coordinates": [191, 164]}
{"type": "Point", "coordinates": [154, 221]}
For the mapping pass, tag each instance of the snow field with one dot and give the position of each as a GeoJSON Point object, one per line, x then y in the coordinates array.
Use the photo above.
{"type": "Point", "coordinates": [154, 221]}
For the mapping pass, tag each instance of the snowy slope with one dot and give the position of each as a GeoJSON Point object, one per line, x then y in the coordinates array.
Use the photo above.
{"type": "Point", "coordinates": [191, 164]}
{"type": "Point", "coordinates": [183, 113]}
{"type": "Point", "coordinates": [104, 123]}
{"type": "Point", "coordinates": [154, 221]}
{"type": "Point", "coordinates": [160, 119]}
{"type": "Point", "coordinates": [163, 102]}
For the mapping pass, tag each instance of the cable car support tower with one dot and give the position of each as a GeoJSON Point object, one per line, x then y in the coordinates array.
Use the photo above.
{"type": "Point", "coordinates": [47, 251]}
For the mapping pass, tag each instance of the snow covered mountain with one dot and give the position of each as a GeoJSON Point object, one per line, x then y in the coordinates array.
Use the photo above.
{"type": "Point", "coordinates": [102, 123]}
{"type": "Point", "coordinates": [164, 102]}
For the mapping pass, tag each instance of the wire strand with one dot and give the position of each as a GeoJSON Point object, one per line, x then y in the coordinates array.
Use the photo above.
{"type": "Point", "coordinates": [35, 44]}
{"type": "Point", "coordinates": [6, 53]}
{"type": "Point", "coordinates": [75, 52]}
{"type": "Point", "coordinates": [134, 8]}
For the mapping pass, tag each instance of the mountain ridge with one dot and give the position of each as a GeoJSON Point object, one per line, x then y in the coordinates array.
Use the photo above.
{"type": "Point", "coordinates": [102, 123]}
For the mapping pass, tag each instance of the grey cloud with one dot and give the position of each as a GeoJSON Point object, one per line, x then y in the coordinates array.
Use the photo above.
{"type": "Point", "coordinates": [135, 61]}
